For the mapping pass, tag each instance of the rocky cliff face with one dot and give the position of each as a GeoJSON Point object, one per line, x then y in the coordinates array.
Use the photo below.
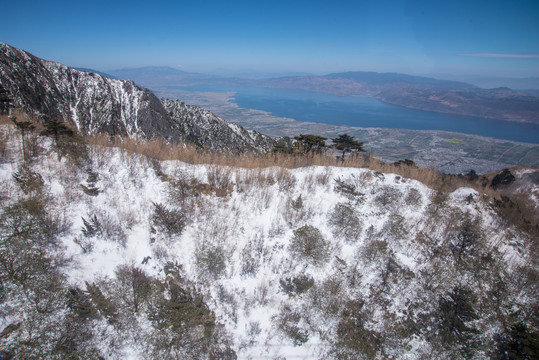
{"type": "Point", "coordinates": [94, 104]}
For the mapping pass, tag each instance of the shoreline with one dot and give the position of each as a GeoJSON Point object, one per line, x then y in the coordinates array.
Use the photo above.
{"type": "Point", "coordinates": [447, 151]}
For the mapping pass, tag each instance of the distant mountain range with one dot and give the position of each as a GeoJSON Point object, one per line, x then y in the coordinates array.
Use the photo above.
{"type": "Point", "coordinates": [489, 82]}
{"type": "Point", "coordinates": [417, 92]}
{"type": "Point", "coordinates": [95, 103]}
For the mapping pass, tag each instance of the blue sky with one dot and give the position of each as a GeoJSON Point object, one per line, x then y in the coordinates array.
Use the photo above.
{"type": "Point", "coordinates": [494, 38]}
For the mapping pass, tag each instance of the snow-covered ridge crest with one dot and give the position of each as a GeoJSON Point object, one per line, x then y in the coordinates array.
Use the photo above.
{"type": "Point", "coordinates": [210, 131]}
{"type": "Point", "coordinates": [308, 263]}
{"type": "Point", "coordinates": [94, 104]}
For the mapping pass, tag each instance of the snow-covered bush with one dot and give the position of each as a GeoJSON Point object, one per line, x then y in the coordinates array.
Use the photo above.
{"type": "Point", "coordinates": [296, 285]}
{"type": "Point", "coordinates": [353, 340]}
{"type": "Point", "coordinates": [309, 244]}
{"type": "Point", "coordinates": [388, 196]}
{"type": "Point", "coordinates": [211, 261]}
{"type": "Point", "coordinates": [170, 221]}
{"type": "Point", "coordinates": [413, 198]}
{"type": "Point", "coordinates": [345, 222]}
{"type": "Point", "coordinates": [348, 190]}
{"type": "Point", "coordinates": [289, 321]}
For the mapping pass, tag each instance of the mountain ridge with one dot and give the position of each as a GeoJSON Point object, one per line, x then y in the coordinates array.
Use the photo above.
{"type": "Point", "coordinates": [94, 104]}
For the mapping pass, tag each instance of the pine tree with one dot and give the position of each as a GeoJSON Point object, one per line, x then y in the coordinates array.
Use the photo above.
{"type": "Point", "coordinates": [57, 128]}
{"type": "Point", "coordinates": [346, 143]}
{"type": "Point", "coordinates": [310, 142]}
{"type": "Point", "coordinates": [5, 101]}
{"type": "Point", "coordinates": [23, 126]}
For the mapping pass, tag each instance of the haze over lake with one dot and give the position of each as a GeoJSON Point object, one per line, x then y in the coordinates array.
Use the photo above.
{"type": "Point", "coordinates": [367, 112]}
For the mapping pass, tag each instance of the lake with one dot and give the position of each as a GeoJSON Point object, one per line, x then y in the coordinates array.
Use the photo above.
{"type": "Point", "coordinates": [366, 112]}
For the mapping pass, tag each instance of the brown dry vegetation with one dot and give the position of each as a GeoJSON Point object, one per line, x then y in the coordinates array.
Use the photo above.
{"type": "Point", "coordinates": [159, 149]}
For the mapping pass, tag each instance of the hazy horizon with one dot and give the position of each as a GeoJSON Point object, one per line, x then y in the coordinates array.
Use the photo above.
{"type": "Point", "coordinates": [416, 37]}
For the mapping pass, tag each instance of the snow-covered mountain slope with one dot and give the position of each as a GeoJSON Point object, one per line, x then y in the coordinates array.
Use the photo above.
{"type": "Point", "coordinates": [119, 107]}
{"type": "Point", "coordinates": [166, 260]}
{"type": "Point", "coordinates": [211, 132]}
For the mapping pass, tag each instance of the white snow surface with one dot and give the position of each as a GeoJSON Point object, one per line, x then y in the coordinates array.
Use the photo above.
{"type": "Point", "coordinates": [254, 220]}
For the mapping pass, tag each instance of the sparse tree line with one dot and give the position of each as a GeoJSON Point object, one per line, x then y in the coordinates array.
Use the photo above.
{"type": "Point", "coordinates": [316, 144]}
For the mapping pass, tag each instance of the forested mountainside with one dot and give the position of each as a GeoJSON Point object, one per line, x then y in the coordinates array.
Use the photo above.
{"type": "Point", "coordinates": [108, 254]}
{"type": "Point", "coordinates": [95, 104]}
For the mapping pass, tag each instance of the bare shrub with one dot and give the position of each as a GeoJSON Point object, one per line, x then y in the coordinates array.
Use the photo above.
{"type": "Point", "coordinates": [33, 146]}
{"type": "Point", "coordinates": [348, 190]}
{"type": "Point", "coordinates": [104, 225]}
{"type": "Point", "coordinates": [264, 198]}
{"type": "Point", "coordinates": [413, 198]}
{"type": "Point", "coordinates": [259, 178]}
{"type": "Point", "coordinates": [285, 179]}
{"type": "Point", "coordinates": [520, 210]}
{"type": "Point", "coordinates": [309, 182]}
{"type": "Point", "coordinates": [289, 322]}
{"type": "Point", "coordinates": [323, 178]}
{"type": "Point", "coordinates": [132, 286]}
{"type": "Point", "coordinates": [220, 179]}
{"type": "Point", "coordinates": [388, 196]}
{"type": "Point", "coordinates": [264, 177]}
{"type": "Point", "coordinates": [394, 228]}
{"type": "Point", "coordinates": [160, 251]}
{"type": "Point", "coordinates": [86, 244]}
{"type": "Point", "coordinates": [249, 263]}
{"type": "Point", "coordinates": [252, 256]}
{"type": "Point", "coordinates": [111, 227]}
{"type": "Point", "coordinates": [364, 178]}
{"type": "Point", "coordinates": [309, 244]}
{"type": "Point", "coordinates": [261, 293]}
{"type": "Point", "coordinates": [374, 249]}
{"type": "Point", "coordinates": [253, 331]}
{"type": "Point", "coordinates": [4, 138]}
{"type": "Point", "coordinates": [182, 187]}
{"type": "Point", "coordinates": [345, 222]}
{"type": "Point", "coordinates": [438, 204]}
{"type": "Point", "coordinates": [277, 228]}
{"type": "Point", "coordinates": [227, 298]}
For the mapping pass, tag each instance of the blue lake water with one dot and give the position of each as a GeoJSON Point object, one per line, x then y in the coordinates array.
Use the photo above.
{"type": "Point", "coordinates": [367, 112]}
